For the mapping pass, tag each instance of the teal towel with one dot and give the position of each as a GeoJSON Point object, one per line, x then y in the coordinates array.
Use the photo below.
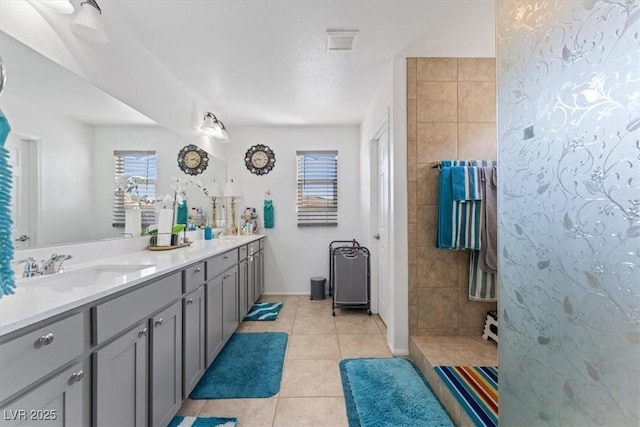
{"type": "Point", "coordinates": [183, 214]}
{"type": "Point", "coordinates": [467, 182]}
{"type": "Point", "coordinates": [268, 214]}
{"type": "Point", "coordinates": [459, 212]}
{"type": "Point", "coordinates": [8, 284]}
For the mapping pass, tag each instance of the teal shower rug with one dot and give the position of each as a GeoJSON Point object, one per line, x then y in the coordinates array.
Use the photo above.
{"type": "Point", "coordinates": [249, 366]}
{"type": "Point", "coordinates": [389, 392]}
{"type": "Point", "coordinates": [179, 421]}
{"type": "Point", "coordinates": [264, 311]}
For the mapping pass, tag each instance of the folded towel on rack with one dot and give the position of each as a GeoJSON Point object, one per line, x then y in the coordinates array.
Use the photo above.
{"type": "Point", "coordinates": [466, 182]}
{"type": "Point", "coordinates": [460, 218]}
{"type": "Point", "coordinates": [488, 260]}
{"type": "Point", "coordinates": [483, 286]}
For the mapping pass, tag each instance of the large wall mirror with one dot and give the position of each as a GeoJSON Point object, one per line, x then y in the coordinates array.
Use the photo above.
{"type": "Point", "coordinates": [64, 135]}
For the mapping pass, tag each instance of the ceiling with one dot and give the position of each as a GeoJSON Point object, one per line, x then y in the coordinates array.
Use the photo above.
{"type": "Point", "coordinates": [265, 62]}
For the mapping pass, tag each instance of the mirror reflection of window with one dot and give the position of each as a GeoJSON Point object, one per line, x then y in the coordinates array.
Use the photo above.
{"type": "Point", "coordinates": [136, 174]}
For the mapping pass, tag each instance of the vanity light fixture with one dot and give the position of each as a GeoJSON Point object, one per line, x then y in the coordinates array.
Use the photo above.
{"type": "Point", "coordinates": [215, 127]}
{"type": "Point", "coordinates": [88, 24]}
{"type": "Point", "coordinates": [60, 6]}
{"type": "Point", "coordinates": [224, 134]}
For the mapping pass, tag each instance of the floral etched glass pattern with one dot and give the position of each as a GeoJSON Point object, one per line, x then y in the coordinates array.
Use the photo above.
{"type": "Point", "coordinates": [569, 212]}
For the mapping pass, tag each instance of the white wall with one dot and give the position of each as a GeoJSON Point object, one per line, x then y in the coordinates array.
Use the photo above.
{"type": "Point", "coordinates": [390, 99]}
{"type": "Point", "coordinates": [66, 173]}
{"type": "Point", "coordinates": [123, 67]}
{"type": "Point", "coordinates": [294, 255]}
{"type": "Point", "coordinates": [166, 145]}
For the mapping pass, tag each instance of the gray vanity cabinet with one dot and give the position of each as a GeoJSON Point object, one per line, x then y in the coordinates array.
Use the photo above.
{"type": "Point", "coordinates": [251, 283]}
{"type": "Point", "coordinates": [243, 281]}
{"type": "Point", "coordinates": [214, 316]}
{"type": "Point", "coordinates": [259, 273]}
{"type": "Point", "coordinates": [57, 402]}
{"type": "Point", "coordinates": [230, 305]}
{"type": "Point", "coordinates": [166, 364]}
{"type": "Point", "coordinates": [193, 350]}
{"type": "Point", "coordinates": [121, 378]}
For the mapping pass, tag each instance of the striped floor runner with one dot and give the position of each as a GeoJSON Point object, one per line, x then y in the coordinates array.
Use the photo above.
{"type": "Point", "coordinates": [476, 389]}
{"type": "Point", "coordinates": [264, 311]}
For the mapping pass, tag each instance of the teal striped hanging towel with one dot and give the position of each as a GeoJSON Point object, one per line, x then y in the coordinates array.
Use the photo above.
{"type": "Point", "coordinates": [8, 284]}
{"type": "Point", "coordinates": [268, 214]}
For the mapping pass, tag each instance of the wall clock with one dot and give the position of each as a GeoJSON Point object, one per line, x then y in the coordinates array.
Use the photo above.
{"type": "Point", "coordinates": [192, 160]}
{"type": "Point", "coordinates": [260, 159]}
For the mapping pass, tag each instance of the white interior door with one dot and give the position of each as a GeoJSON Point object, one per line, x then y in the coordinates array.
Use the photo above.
{"type": "Point", "coordinates": [22, 209]}
{"type": "Point", "coordinates": [382, 214]}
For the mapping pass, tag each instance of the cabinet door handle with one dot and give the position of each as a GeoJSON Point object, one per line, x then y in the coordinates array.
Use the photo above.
{"type": "Point", "coordinates": [226, 276]}
{"type": "Point", "coordinates": [190, 301]}
{"type": "Point", "coordinates": [77, 376]}
{"type": "Point", "coordinates": [45, 339]}
{"type": "Point", "coordinates": [197, 270]}
{"type": "Point", "coordinates": [226, 257]}
{"type": "Point", "coordinates": [142, 332]}
{"type": "Point", "coordinates": [159, 321]}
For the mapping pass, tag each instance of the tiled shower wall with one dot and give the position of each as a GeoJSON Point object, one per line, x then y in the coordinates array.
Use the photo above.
{"type": "Point", "coordinates": [451, 111]}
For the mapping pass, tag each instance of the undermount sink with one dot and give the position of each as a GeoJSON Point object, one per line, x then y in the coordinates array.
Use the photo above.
{"type": "Point", "coordinates": [88, 276]}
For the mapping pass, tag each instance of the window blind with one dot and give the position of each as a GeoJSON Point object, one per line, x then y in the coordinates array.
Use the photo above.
{"type": "Point", "coordinates": [136, 174]}
{"type": "Point", "coordinates": [317, 190]}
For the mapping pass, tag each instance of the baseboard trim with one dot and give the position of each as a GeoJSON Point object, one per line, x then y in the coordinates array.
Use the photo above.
{"type": "Point", "coordinates": [399, 351]}
{"type": "Point", "coordinates": [286, 293]}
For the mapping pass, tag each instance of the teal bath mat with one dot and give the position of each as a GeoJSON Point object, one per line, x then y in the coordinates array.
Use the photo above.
{"type": "Point", "coordinates": [264, 311]}
{"type": "Point", "coordinates": [179, 421]}
{"type": "Point", "coordinates": [249, 366]}
{"type": "Point", "coordinates": [389, 392]}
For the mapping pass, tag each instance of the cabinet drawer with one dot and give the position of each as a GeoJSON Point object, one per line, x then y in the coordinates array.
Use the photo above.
{"type": "Point", "coordinates": [192, 277]}
{"type": "Point", "coordinates": [221, 263]}
{"type": "Point", "coordinates": [117, 315]}
{"type": "Point", "coordinates": [254, 247]}
{"type": "Point", "coordinates": [36, 354]}
{"type": "Point", "coordinates": [243, 252]}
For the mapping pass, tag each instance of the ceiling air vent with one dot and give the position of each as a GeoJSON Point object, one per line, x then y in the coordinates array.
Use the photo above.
{"type": "Point", "coordinates": [341, 40]}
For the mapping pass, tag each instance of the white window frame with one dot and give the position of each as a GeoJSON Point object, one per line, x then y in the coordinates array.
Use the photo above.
{"type": "Point", "coordinates": [317, 188]}
{"type": "Point", "coordinates": [144, 175]}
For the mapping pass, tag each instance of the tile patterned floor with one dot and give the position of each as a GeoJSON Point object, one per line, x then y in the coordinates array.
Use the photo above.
{"type": "Point", "coordinates": [311, 389]}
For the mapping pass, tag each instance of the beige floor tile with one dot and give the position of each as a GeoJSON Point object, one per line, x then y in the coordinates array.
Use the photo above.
{"type": "Point", "coordinates": [314, 326]}
{"type": "Point", "coordinates": [191, 407]}
{"type": "Point", "coordinates": [249, 412]}
{"type": "Point", "coordinates": [245, 326]}
{"type": "Point", "coordinates": [381, 325]}
{"type": "Point", "coordinates": [287, 300]}
{"type": "Point", "coordinates": [311, 412]}
{"type": "Point", "coordinates": [313, 347]}
{"type": "Point", "coordinates": [319, 312]}
{"type": "Point", "coordinates": [356, 325]}
{"type": "Point", "coordinates": [279, 325]}
{"type": "Point", "coordinates": [305, 302]}
{"type": "Point", "coordinates": [306, 378]}
{"type": "Point", "coordinates": [352, 346]}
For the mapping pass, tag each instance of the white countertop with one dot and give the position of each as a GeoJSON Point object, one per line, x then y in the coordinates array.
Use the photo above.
{"type": "Point", "coordinates": [38, 298]}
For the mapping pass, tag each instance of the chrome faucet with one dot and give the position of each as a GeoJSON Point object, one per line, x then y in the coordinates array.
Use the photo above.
{"type": "Point", "coordinates": [31, 267]}
{"type": "Point", "coordinates": [54, 264]}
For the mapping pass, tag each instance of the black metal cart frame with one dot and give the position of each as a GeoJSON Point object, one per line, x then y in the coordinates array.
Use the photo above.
{"type": "Point", "coordinates": [333, 245]}
{"type": "Point", "coordinates": [350, 275]}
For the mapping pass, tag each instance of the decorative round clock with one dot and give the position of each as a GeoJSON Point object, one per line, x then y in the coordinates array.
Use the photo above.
{"type": "Point", "coordinates": [260, 159]}
{"type": "Point", "coordinates": [192, 160]}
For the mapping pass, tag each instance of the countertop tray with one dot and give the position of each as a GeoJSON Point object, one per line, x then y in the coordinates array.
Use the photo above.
{"type": "Point", "coordinates": [168, 248]}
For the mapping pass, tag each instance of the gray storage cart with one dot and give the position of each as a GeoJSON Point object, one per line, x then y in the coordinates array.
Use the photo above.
{"type": "Point", "coordinates": [351, 278]}
{"type": "Point", "coordinates": [332, 246]}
